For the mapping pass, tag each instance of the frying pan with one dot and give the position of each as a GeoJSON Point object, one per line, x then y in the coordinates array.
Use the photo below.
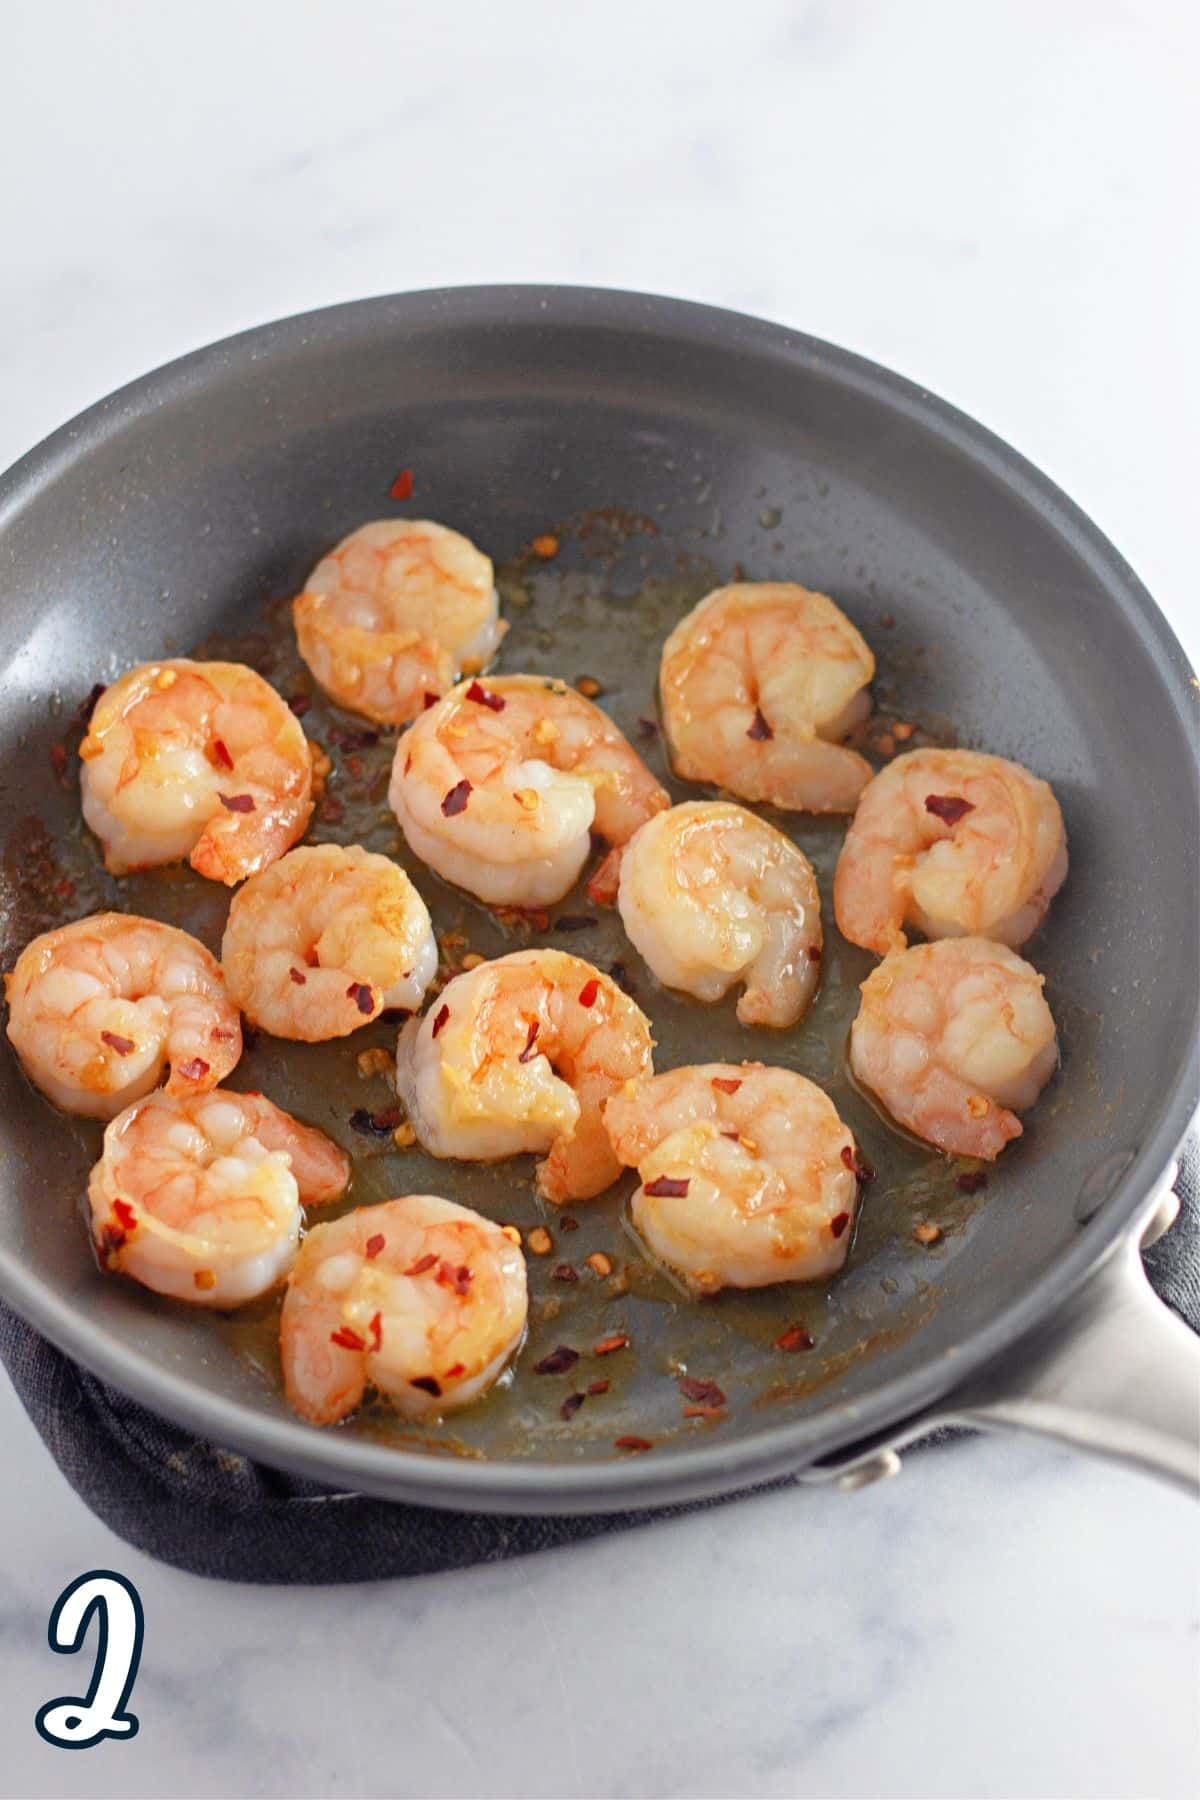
{"type": "Point", "coordinates": [666, 446]}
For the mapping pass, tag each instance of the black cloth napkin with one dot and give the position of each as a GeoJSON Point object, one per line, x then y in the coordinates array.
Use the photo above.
{"type": "Point", "coordinates": [213, 1512]}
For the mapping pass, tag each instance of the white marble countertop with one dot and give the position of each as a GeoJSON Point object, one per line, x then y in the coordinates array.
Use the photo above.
{"type": "Point", "coordinates": [995, 200]}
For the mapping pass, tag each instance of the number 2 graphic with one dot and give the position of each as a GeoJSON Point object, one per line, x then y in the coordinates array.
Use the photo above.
{"type": "Point", "coordinates": [74, 1724]}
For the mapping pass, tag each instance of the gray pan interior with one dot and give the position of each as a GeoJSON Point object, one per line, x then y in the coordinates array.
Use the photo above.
{"type": "Point", "coordinates": [668, 446]}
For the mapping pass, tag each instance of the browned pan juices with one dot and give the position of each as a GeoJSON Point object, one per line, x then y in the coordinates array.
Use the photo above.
{"type": "Point", "coordinates": [592, 611]}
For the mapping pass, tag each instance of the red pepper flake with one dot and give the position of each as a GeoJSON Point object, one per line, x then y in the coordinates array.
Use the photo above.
{"type": "Point", "coordinates": [814, 953]}
{"type": "Point", "coordinates": [380, 1124]}
{"type": "Point", "coordinates": [588, 992]}
{"type": "Point", "coordinates": [607, 1345]}
{"type": "Point", "coordinates": [646, 728]}
{"type": "Point", "coordinates": [111, 1240]}
{"type": "Point", "coordinates": [65, 888]}
{"type": "Point", "coordinates": [427, 1385]}
{"type": "Point", "coordinates": [347, 1339]}
{"type": "Point", "coordinates": [598, 1387]}
{"type": "Point", "coordinates": [125, 1216]}
{"type": "Point", "coordinates": [422, 1265]}
{"type": "Point", "coordinates": [481, 697]}
{"type": "Point", "coordinates": [401, 488]}
{"type": "Point", "coordinates": [795, 1338]}
{"type": "Point", "coordinates": [455, 801]}
{"type": "Point", "coordinates": [949, 808]}
{"type": "Point", "coordinates": [971, 1180]}
{"type": "Point", "coordinates": [704, 1412]}
{"type": "Point", "coordinates": [566, 1272]}
{"type": "Point", "coordinates": [219, 756]}
{"type": "Point", "coordinates": [567, 1223]}
{"type": "Point", "coordinates": [531, 1038]}
{"type": "Point", "coordinates": [440, 1020]}
{"type": "Point", "coordinates": [429, 700]}
{"type": "Point", "coordinates": [726, 1084]}
{"type": "Point", "coordinates": [376, 1330]}
{"type": "Point", "coordinates": [571, 1405]}
{"type": "Point", "coordinates": [195, 1070]}
{"type": "Point", "coordinates": [459, 1278]}
{"type": "Point", "coordinates": [58, 759]}
{"type": "Point", "coordinates": [704, 1393]}
{"type": "Point", "coordinates": [839, 1223]}
{"type": "Point", "coordinates": [857, 1167]}
{"type": "Point", "coordinates": [758, 729]}
{"type": "Point", "coordinates": [557, 1362]}
{"type": "Point", "coordinates": [236, 802]}
{"type": "Point", "coordinates": [668, 1187]}
{"type": "Point", "coordinates": [332, 810]}
{"type": "Point", "coordinates": [633, 1443]}
{"type": "Point", "coordinates": [363, 998]}
{"type": "Point", "coordinates": [299, 704]}
{"type": "Point", "coordinates": [456, 1370]}
{"type": "Point", "coordinates": [299, 979]}
{"type": "Point", "coordinates": [374, 1244]}
{"type": "Point", "coordinates": [735, 1135]}
{"type": "Point", "coordinates": [122, 1045]}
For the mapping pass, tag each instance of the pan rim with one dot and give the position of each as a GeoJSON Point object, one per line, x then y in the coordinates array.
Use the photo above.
{"type": "Point", "coordinates": [710, 1467]}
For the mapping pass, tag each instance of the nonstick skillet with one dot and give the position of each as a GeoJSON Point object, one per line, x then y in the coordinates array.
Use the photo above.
{"type": "Point", "coordinates": [666, 447]}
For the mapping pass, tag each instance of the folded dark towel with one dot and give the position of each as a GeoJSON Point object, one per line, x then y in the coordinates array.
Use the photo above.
{"type": "Point", "coordinates": [215, 1513]}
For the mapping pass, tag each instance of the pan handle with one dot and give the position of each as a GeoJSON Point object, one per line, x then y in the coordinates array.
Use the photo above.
{"type": "Point", "coordinates": [1116, 1372]}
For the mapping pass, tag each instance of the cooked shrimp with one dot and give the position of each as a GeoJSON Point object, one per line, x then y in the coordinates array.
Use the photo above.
{"type": "Point", "coordinates": [99, 1009]}
{"type": "Point", "coordinates": [955, 1038]}
{"type": "Point", "coordinates": [954, 842]}
{"type": "Point", "coordinates": [759, 683]}
{"type": "Point", "coordinates": [200, 1197]}
{"type": "Point", "coordinates": [518, 1055]}
{"type": "Point", "coordinates": [394, 614]}
{"type": "Point", "coordinates": [748, 1176]}
{"type": "Point", "coordinates": [324, 940]}
{"type": "Point", "coordinates": [711, 895]}
{"type": "Point", "coordinates": [418, 1298]}
{"type": "Point", "coordinates": [195, 760]}
{"type": "Point", "coordinates": [498, 788]}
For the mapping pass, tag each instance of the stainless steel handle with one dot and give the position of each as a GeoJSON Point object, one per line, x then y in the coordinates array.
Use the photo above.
{"type": "Point", "coordinates": [1115, 1373]}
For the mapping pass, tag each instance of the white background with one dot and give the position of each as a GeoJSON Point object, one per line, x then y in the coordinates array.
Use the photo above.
{"type": "Point", "coordinates": [999, 201]}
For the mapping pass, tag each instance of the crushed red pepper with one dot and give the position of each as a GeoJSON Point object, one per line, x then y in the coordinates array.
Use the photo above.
{"type": "Point", "coordinates": [949, 808]}
{"type": "Point", "coordinates": [402, 487]}
{"type": "Point", "coordinates": [429, 700]}
{"type": "Point", "coordinates": [125, 1215]}
{"type": "Point", "coordinates": [421, 1265]}
{"type": "Point", "coordinates": [630, 1442]}
{"type": "Point", "coordinates": [598, 1387]}
{"type": "Point", "coordinates": [374, 1244]}
{"type": "Point", "coordinates": [530, 1040]}
{"type": "Point", "coordinates": [219, 755]}
{"type": "Point", "coordinates": [378, 1124]}
{"type": "Point", "coordinates": [726, 1084]}
{"type": "Point", "coordinates": [705, 1393]}
{"type": "Point", "coordinates": [608, 1345]}
{"type": "Point", "coordinates": [839, 1223]}
{"type": "Point", "coordinates": [459, 1277]}
{"type": "Point", "coordinates": [360, 993]}
{"type": "Point", "coordinates": [481, 697]}
{"type": "Point", "coordinates": [376, 1330]}
{"type": "Point", "coordinates": [347, 1339]}
{"type": "Point", "coordinates": [588, 992]}
{"type": "Point", "coordinates": [814, 953]}
{"type": "Point", "coordinates": [856, 1165]}
{"type": "Point", "coordinates": [58, 759]}
{"type": "Point", "coordinates": [758, 729]}
{"type": "Point", "coordinates": [455, 801]}
{"type": "Point", "coordinates": [300, 979]}
{"type": "Point", "coordinates": [440, 1020]}
{"type": "Point", "coordinates": [557, 1361]}
{"type": "Point", "coordinates": [668, 1187]}
{"type": "Point", "coordinates": [299, 704]}
{"type": "Point", "coordinates": [571, 1406]}
{"type": "Point", "coordinates": [566, 1272]}
{"type": "Point", "coordinates": [971, 1180]}
{"type": "Point", "coordinates": [239, 803]}
{"type": "Point", "coordinates": [795, 1338]}
{"type": "Point", "coordinates": [195, 1070]}
{"type": "Point", "coordinates": [122, 1045]}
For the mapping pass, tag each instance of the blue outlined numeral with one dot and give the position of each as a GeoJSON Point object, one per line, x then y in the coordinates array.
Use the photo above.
{"type": "Point", "coordinates": [73, 1724]}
